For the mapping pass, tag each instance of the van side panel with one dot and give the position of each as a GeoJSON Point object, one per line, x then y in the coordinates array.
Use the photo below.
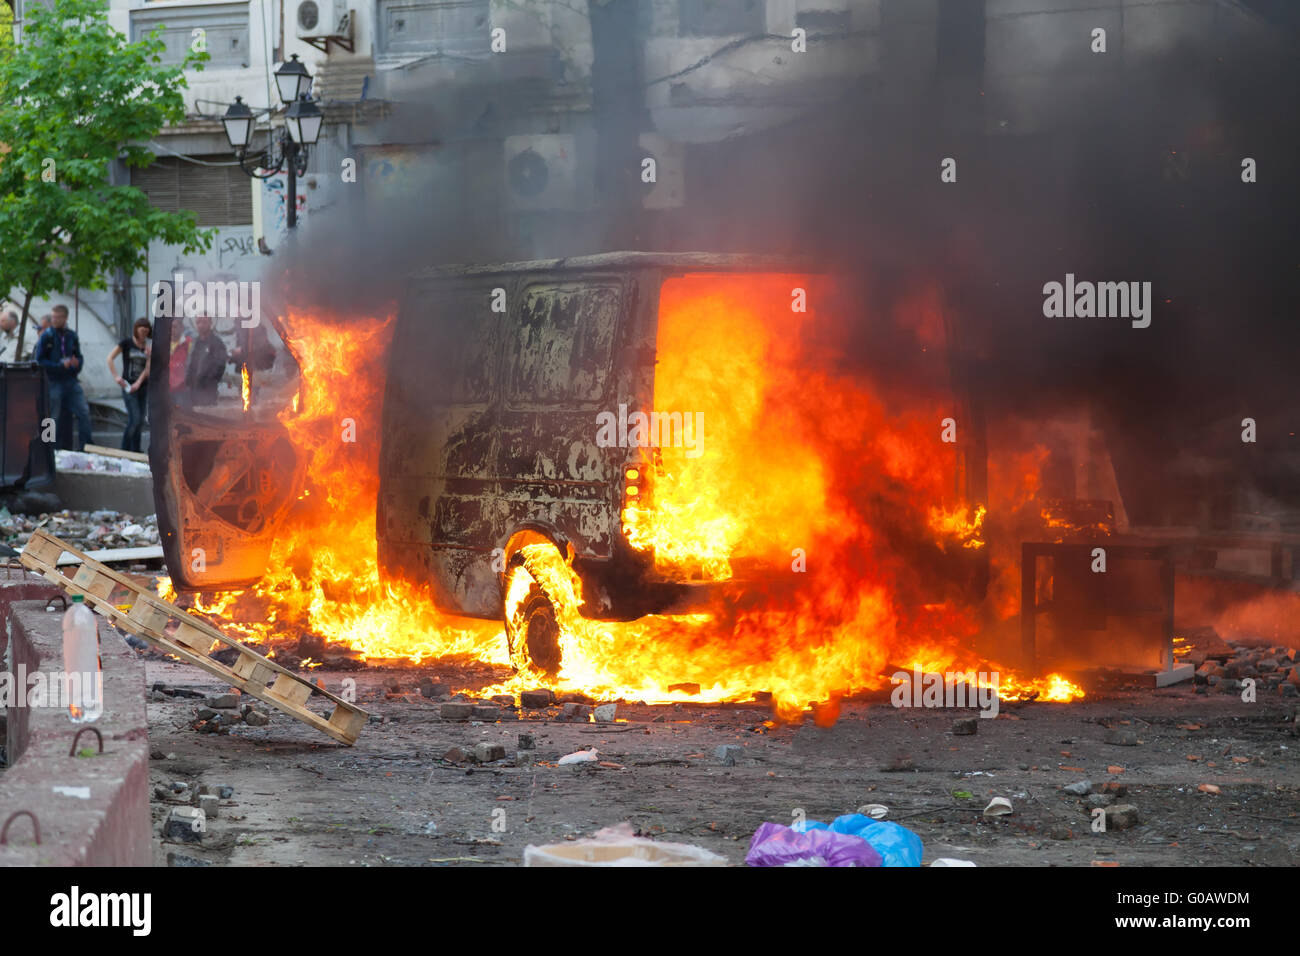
{"type": "Point", "coordinates": [562, 371]}
{"type": "Point", "coordinates": [470, 457]}
{"type": "Point", "coordinates": [435, 519]}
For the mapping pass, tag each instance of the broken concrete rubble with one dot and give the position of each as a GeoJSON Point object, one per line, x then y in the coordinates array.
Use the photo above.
{"type": "Point", "coordinates": [729, 754]}
{"type": "Point", "coordinates": [1121, 816]}
{"type": "Point", "coordinates": [576, 712]}
{"type": "Point", "coordinates": [536, 699]}
{"type": "Point", "coordinates": [487, 752]}
{"type": "Point", "coordinates": [456, 710]}
{"type": "Point", "coordinates": [605, 713]}
{"type": "Point", "coordinates": [186, 824]}
{"type": "Point", "coordinates": [87, 530]}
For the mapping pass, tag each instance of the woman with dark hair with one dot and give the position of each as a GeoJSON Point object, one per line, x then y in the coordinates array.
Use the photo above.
{"type": "Point", "coordinates": [134, 380]}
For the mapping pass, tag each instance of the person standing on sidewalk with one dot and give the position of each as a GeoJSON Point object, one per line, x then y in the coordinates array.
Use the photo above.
{"type": "Point", "coordinates": [58, 351]}
{"type": "Point", "coordinates": [206, 363]}
{"type": "Point", "coordinates": [8, 337]}
{"type": "Point", "coordinates": [134, 380]}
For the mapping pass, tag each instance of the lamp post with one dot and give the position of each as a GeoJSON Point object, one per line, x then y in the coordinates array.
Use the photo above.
{"type": "Point", "coordinates": [287, 149]}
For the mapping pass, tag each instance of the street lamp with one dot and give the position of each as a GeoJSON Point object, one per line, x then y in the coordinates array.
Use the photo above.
{"type": "Point", "coordinates": [293, 80]}
{"type": "Point", "coordinates": [303, 119]}
{"type": "Point", "coordinates": [239, 124]}
{"type": "Point", "coordinates": [287, 149]}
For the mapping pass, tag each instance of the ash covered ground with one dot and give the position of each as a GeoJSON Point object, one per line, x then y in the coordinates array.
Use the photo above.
{"type": "Point", "coordinates": [1187, 775]}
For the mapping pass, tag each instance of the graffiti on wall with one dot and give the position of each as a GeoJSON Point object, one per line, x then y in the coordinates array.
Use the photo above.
{"type": "Point", "coordinates": [231, 248]}
{"type": "Point", "coordinates": [274, 206]}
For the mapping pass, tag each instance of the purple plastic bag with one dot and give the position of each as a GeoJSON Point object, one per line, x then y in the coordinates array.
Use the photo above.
{"type": "Point", "coordinates": [777, 845]}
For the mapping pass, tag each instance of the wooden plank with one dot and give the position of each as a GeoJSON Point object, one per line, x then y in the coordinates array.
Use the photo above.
{"type": "Point", "coordinates": [96, 584]}
{"type": "Point", "coordinates": [43, 547]}
{"type": "Point", "coordinates": [117, 453]}
{"type": "Point", "coordinates": [192, 637]}
{"type": "Point", "coordinates": [151, 552]}
{"type": "Point", "coordinates": [253, 669]}
{"type": "Point", "coordinates": [290, 689]}
{"type": "Point", "coordinates": [149, 616]}
{"type": "Point", "coordinates": [348, 721]}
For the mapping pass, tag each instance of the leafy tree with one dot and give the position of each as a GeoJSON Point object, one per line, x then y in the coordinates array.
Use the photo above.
{"type": "Point", "coordinates": [6, 28]}
{"type": "Point", "coordinates": [74, 96]}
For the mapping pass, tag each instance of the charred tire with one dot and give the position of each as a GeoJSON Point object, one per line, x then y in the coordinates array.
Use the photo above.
{"type": "Point", "coordinates": [533, 630]}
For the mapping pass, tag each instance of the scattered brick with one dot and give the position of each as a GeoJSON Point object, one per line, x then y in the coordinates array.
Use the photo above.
{"type": "Point", "coordinates": [605, 713]}
{"type": "Point", "coordinates": [456, 710]}
{"type": "Point", "coordinates": [536, 699]}
{"type": "Point", "coordinates": [1122, 816]}
{"type": "Point", "coordinates": [729, 754]}
{"type": "Point", "coordinates": [485, 752]}
{"type": "Point", "coordinates": [575, 712]}
{"type": "Point", "coordinates": [186, 824]}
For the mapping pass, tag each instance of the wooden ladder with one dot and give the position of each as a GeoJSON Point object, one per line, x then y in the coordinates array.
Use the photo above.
{"type": "Point", "coordinates": [174, 631]}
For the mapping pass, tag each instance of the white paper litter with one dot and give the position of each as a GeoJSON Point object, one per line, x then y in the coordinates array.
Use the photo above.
{"type": "Point", "coordinates": [582, 756]}
{"type": "Point", "coordinates": [998, 807]}
{"type": "Point", "coordinates": [81, 793]}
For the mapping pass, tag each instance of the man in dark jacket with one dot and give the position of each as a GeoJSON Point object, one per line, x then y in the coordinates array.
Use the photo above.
{"type": "Point", "coordinates": [58, 351]}
{"type": "Point", "coordinates": [206, 363]}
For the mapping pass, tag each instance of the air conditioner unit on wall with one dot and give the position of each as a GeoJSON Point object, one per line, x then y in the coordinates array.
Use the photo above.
{"type": "Point", "coordinates": [669, 188]}
{"type": "Point", "coordinates": [541, 171]}
{"type": "Point", "coordinates": [324, 20]}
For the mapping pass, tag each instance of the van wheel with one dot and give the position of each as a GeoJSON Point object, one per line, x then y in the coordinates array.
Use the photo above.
{"type": "Point", "coordinates": [532, 624]}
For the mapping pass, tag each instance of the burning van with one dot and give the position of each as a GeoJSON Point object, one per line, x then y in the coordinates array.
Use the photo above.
{"type": "Point", "coordinates": [622, 435]}
{"type": "Point", "coordinates": [675, 463]}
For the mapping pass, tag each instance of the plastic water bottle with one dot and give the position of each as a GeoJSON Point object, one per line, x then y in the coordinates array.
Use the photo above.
{"type": "Point", "coordinates": [83, 683]}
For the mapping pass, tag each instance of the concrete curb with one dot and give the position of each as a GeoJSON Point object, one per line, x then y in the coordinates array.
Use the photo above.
{"type": "Point", "coordinates": [109, 491]}
{"type": "Point", "coordinates": [17, 584]}
{"type": "Point", "coordinates": [93, 811]}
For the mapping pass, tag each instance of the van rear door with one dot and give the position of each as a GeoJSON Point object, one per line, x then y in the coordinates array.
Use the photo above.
{"type": "Point", "coordinates": [225, 476]}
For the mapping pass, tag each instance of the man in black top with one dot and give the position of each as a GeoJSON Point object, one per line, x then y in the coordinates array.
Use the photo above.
{"type": "Point", "coordinates": [58, 351]}
{"type": "Point", "coordinates": [206, 364]}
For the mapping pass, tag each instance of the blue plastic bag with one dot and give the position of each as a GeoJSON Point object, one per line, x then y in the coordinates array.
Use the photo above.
{"type": "Point", "coordinates": [897, 845]}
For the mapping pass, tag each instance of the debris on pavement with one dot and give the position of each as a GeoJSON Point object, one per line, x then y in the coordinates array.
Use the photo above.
{"type": "Point", "coordinates": [87, 530]}
{"type": "Point", "coordinates": [843, 842]}
{"type": "Point", "coordinates": [998, 807]}
{"type": "Point", "coordinates": [186, 825]}
{"type": "Point", "coordinates": [581, 756]}
{"type": "Point", "coordinates": [777, 845]}
{"type": "Point", "coordinates": [619, 846]}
